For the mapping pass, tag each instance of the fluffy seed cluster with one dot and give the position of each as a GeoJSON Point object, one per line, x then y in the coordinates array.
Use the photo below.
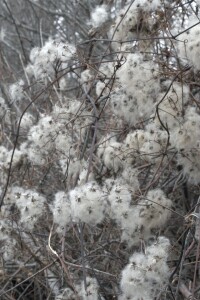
{"type": "Point", "coordinates": [111, 152]}
{"type": "Point", "coordinates": [61, 132]}
{"type": "Point", "coordinates": [139, 146]}
{"type": "Point", "coordinates": [145, 216]}
{"type": "Point", "coordinates": [31, 205]}
{"type": "Point", "coordinates": [146, 273]}
{"type": "Point", "coordinates": [128, 19]}
{"type": "Point", "coordinates": [132, 145]}
{"type": "Point", "coordinates": [43, 61]}
{"type": "Point", "coordinates": [119, 198]}
{"type": "Point", "coordinates": [16, 92]}
{"type": "Point", "coordinates": [99, 15]}
{"type": "Point", "coordinates": [138, 86]}
{"type": "Point", "coordinates": [87, 203]}
{"type": "Point", "coordinates": [186, 140]}
{"type": "Point", "coordinates": [61, 209]}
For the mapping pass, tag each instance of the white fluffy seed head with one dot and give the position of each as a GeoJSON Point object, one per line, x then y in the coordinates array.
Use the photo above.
{"type": "Point", "coordinates": [30, 204]}
{"type": "Point", "coordinates": [113, 156]}
{"type": "Point", "coordinates": [16, 92]}
{"type": "Point", "coordinates": [99, 15]}
{"type": "Point", "coordinates": [138, 82]}
{"type": "Point", "coordinates": [119, 198]}
{"type": "Point", "coordinates": [185, 139]}
{"type": "Point", "coordinates": [155, 209]}
{"type": "Point", "coordinates": [148, 214]}
{"type": "Point", "coordinates": [146, 273]}
{"type": "Point", "coordinates": [5, 157]}
{"type": "Point", "coordinates": [133, 144]}
{"type": "Point", "coordinates": [132, 280]}
{"type": "Point", "coordinates": [87, 203]}
{"type": "Point", "coordinates": [61, 209]}
{"type": "Point", "coordinates": [43, 60]}
{"type": "Point", "coordinates": [111, 153]}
